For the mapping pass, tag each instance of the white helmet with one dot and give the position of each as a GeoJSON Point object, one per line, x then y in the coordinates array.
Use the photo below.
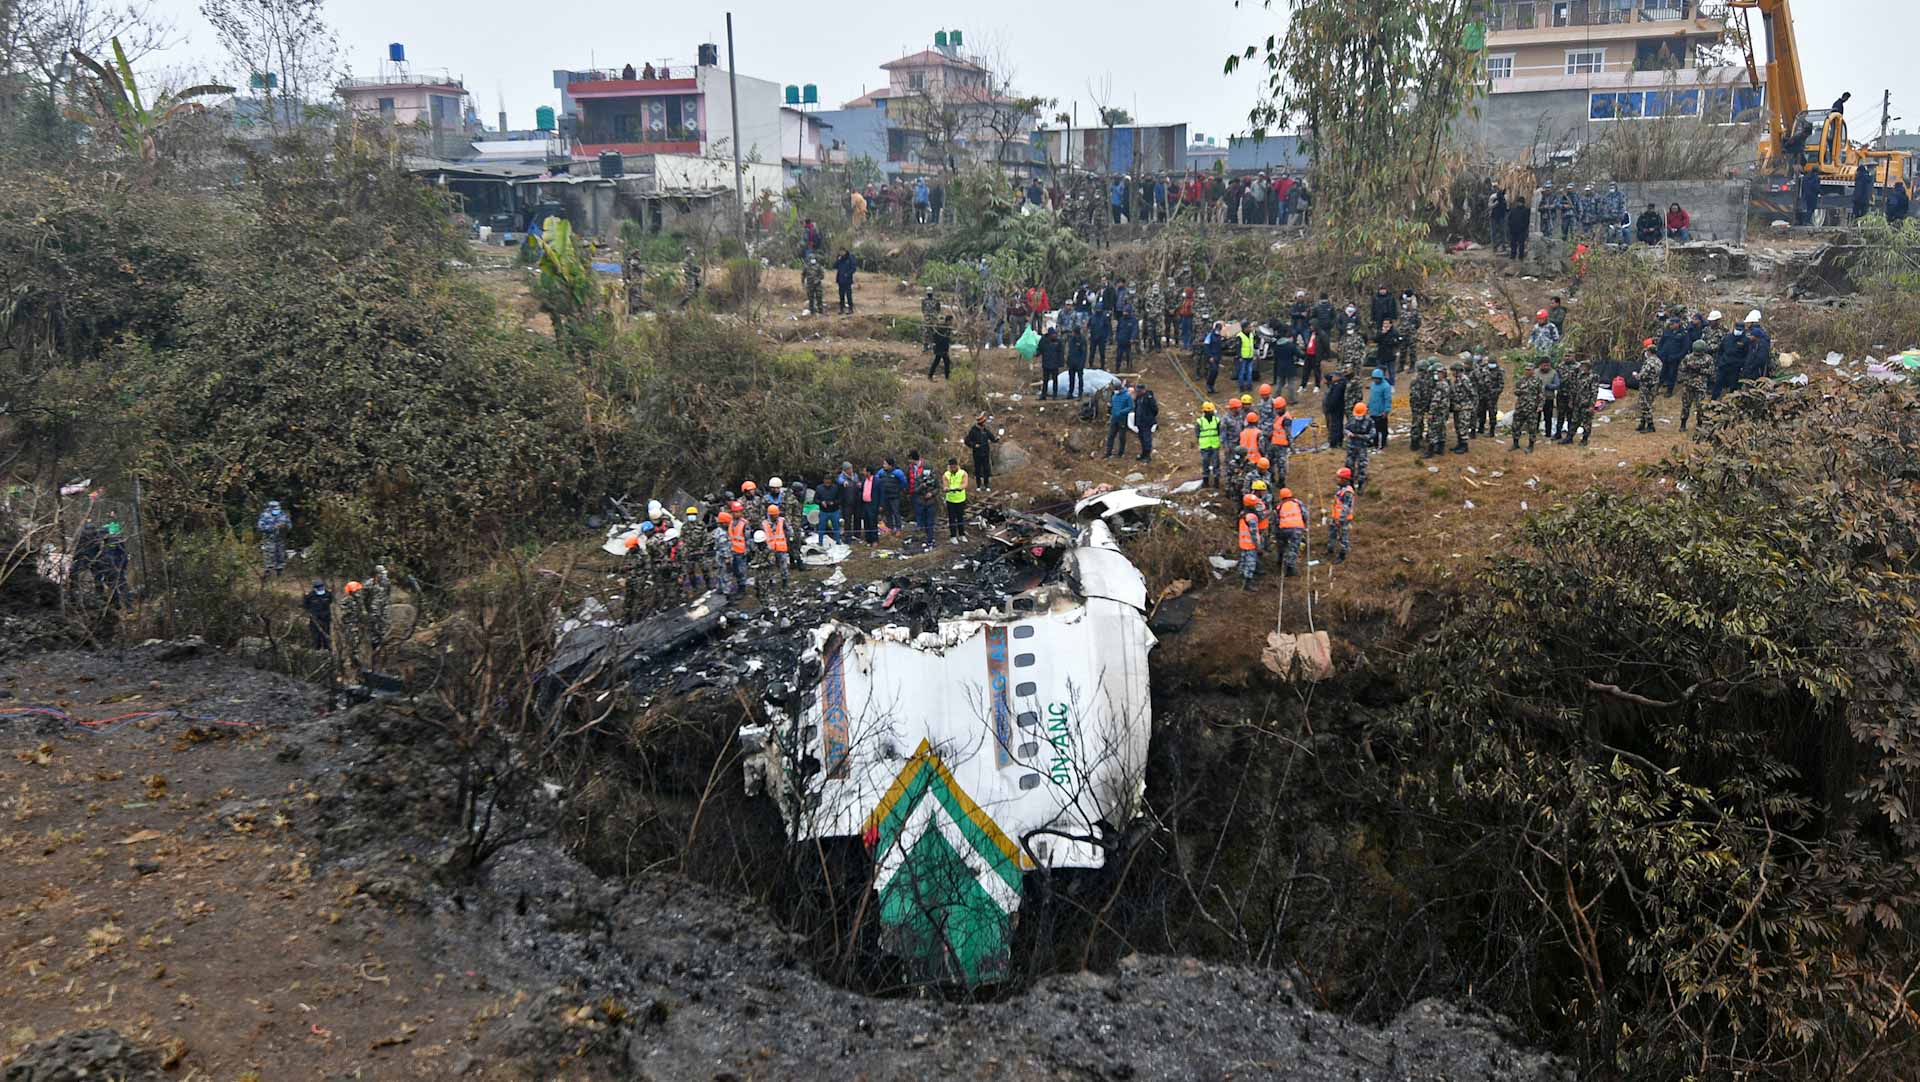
{"type": "Point", "coordinates": [1713, 316]}
{"type": "Point", "coordinates": [1753, 316]}
{"type": "Point", "coordinates": [773, 482]}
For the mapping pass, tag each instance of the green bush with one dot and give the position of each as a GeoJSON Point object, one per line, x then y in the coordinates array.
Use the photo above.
{"type": "Point", "coordinates": [738, 285]}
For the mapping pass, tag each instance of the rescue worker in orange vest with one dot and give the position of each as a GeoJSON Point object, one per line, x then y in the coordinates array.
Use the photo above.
{"type": "Point", "coordinates": [1340, 518]}
{"type": "Point", "coordinates": [1280, 440]}
{"type": "Point", "coordinates": [1249, 540]}
{"type": "Point", "coordinates": [737, 538]}
{"type": "Point", "coordinates": [1263, 494]}
{"type": "Point", "coordinates": [777, 545]}
{"type": "Point", "coordinates": [1291, 519]}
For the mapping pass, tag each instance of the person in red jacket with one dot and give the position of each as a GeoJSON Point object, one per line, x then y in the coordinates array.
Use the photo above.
{"type": "Point", "coordinates": [1679, 223]}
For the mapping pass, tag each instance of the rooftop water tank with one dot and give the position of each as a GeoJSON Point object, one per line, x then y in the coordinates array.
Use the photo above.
{"type": "Point", "coordinates": [939, 39]}
{"type": "Point", "coordinates": [955, 39]}
{"type": "Point", "coordinates": [793, 95]}
{"type": "Point", "coordinates": [810, 94]}
{"type": "Point", "coordinates": [397, 53]}
{"type": "Point", "coordinates": [709, 56]}
{"type": "Point", "coordinates": [612, 164]}
{"type": "Point", "coordinates": [543, 118]}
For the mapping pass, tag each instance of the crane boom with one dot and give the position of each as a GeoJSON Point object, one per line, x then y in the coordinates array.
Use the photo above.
{"type": "Point", "coordinates": [1786, 87]}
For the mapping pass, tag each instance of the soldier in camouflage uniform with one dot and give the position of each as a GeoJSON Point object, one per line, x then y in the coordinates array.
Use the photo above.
{"type": "Point", "coordinates": [1649, 383]}
{"type": "Point", "coordinates": [1461, 399]}
{"type": "Point", "coordinates": [1420, 402]}
{"type": "Point", "coordinates": [813, 277]}
{"type": "Point", "coordinates": [1528, 389]}
{"type": "Point", "coordinates": [640, 582]}
{"type": "Point", "coordinates": [690, 279]}
{"type": "Point", "coordinates": [1493, 380]}
{"type": "Point", "coordinates": [1169, 313]}
{"type": "Point", "coordinates": [929, 312]}
{"type": "Point", "coordinates": [633, 274]}
{"type": "Point", "coordinates": [1352, 350]}
{"type": "Point", "coordinates": [1576, 380]}
{"type": "Point", "coordinates": [1359, 443]}
{"type": "Point", "coordinates": [1695, 371]}
{"type": "Point", "coordinates": [1409, 324]}
{"type": "Point", "coordinates": [1149, 318]}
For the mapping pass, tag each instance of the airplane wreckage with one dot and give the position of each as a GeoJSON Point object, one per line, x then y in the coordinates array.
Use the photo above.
{"type": "Point", "coordinates": [967, 725]}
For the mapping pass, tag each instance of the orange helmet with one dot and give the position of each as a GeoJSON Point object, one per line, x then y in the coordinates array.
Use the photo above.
{"type": "Point", "coordinates": [632, 543]}
{"type": "Point", "coordinates": [1266, 390]}
{"type": "Point", "coordinates": [1647, 344]}
{"type": "Point", "coordinates": [747, 486]}
{"type": "Point", "coordinates": [1249, 501]}
{"type": "Point", "coordinates": [1279, 403]}
{"type": "Point", "coordinates": [735, 506]}
{"type": "Point", "coordinates": [1345, 474]}
{"type": "Point", "coordinates": [1286, 494]}
{"type": "Point", "coordinates": [353, 587]}
{"type": "Point", "coordinates": [1360, 410]}
{"type": "Point", "coordinates": [1265, 464]}
{"type": "Point", "coordinates": [774, 510]}
{"type": "Point", "coordinates": [724, 518]}
{"type": "Point", "coordinates": [1233, 403]}
{"type": "Point", "coordinates": [1540, 316]}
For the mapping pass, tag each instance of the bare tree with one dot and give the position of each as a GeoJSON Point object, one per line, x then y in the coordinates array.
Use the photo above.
{"type": "Point", "coordinates": [285, 47]}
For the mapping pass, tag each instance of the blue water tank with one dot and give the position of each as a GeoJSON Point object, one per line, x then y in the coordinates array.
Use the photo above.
{"type": "Point", "coordinates": [810, 94]}
{"type": "Point", "coordinates": [793, 95]}
{"type": "Point", "coordinates": [397, 53]}
{"type": "Point", "coordinates": [543, 118]}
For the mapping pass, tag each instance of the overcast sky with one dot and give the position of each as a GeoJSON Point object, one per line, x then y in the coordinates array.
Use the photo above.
{"type": "Point", "coordinates": [1161, 60]}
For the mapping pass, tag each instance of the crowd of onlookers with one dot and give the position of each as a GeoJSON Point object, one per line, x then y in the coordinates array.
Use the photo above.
{"type": "Point", "coordinates": [1264, 198]}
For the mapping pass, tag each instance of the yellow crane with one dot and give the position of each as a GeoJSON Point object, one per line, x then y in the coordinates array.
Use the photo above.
{"type": "Point", "coordinates": [1789, 145]}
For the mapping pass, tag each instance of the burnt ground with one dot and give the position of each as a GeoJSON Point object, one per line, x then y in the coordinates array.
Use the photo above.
{"type": "Point", "coordinates": [269, 902]}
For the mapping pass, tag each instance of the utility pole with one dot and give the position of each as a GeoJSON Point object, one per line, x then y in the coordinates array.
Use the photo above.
{"type": "Point", "coordinates": [733, 105]}
{"type": "Point", "coordinates": [1886, 116]}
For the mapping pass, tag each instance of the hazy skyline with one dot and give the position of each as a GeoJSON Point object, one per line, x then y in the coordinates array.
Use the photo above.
{"type": "Point", "coordinates": [1163, 61]}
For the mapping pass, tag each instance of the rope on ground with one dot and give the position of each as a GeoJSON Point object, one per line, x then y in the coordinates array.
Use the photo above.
{"type": "Point", "coordinates": [103, 726]}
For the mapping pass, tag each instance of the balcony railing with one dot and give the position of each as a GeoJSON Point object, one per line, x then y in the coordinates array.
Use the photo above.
{"type": "Point", "coordinates": [597, 136]}
{"type": "Point", "coordinates": [1552, 14]}
{"type": "Point", "coordinates": [439, 77]}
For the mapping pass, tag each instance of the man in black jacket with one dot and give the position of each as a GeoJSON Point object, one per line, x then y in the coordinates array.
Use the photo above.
{"type": "Point", "coordinates": [1146, 411]}
{"type": "Point", "coordinates": [319, 605]}
{"type": "Point", "coordinates": [1383, 307]}
{"type": "Point", "coordinates": [843, 269]}
{"type": "Point", "coordinates": [1386, 344]}
{"type": "Point", "coordinates": [1732, 363]}
{"type": "Point", "coordinates": [1519, 225]}
{"type": "Point", "coordinates": [1052, 359]}
{"type": "Point", "coordinates": [1650, 227]}
{"type": "Point", "coordinates": [980, 440]}
{"type": "Point", "coordinates": [1322, 315]}
{"type": "Point", "coordinates": [1675, 341]}
{"type": "Point", "coordinates": [1334, 405]}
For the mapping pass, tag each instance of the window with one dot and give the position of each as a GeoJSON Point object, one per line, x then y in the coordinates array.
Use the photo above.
{"type": "Point", "coordinates": [386, 108]}
{"type": "Point", "coordinates": [1749, 104]}
{"type": "Point", "coordinates": [1629, 105]}
{"type": "Point", "coordinates": [1663, 10]}
{"type": "Point", "coordinates": [1586, 61]}
{"type": "Point", "coordinates": [1500, 66]}
{"type": "Point", "coordinates": [1659, 55]}
{"type": "Point", "coordinates": [917, 80]}
{"type": "Point", "coordinates": [1600, 107]}
{"type": "Point", "coordinates": [1562, 13]}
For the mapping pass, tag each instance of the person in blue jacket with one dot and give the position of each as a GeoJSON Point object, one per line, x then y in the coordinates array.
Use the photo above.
{"type": "Point", "coordinates": [1117, 412]}
{"type": "Point", "coordinates": [1125, 330]}
{"type": "Point", "coordinates": [1759, 363]}
{"type": "Point", "coordinates": [1379, 402]}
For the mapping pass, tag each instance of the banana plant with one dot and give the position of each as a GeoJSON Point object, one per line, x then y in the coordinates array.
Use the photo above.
{"type": "Point", "coordinates": [120, 109]}
{"type": "Point", "coordinates": [562, 269]}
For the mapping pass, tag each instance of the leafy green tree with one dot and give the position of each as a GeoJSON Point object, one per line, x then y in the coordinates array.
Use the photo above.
{"type": "Point", "coordinates": [120, 110]}
{"type": "Point", "coordinates": [1373, 87]}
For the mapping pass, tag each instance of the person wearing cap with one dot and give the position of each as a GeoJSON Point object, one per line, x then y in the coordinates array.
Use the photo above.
{"type": "Point", "coordinates": [1759, 364]}
{"type": "Point", "coordinates": [638, 577]}
{"type": "Point", "coordinates": [273, 525]}
{"type": "Point", "coordinates": [1695, 372]}
{"type": "Point", "coordinates": [1730, 361]}
{"type": "Point", "coordinates": [1232, 423]}
{"type": "Point", "coordinates": [696, 556]}
{"type": "Point", "coordinates": [1545, 337]}
{"type": "Point", "coordinates": [1420, 403]}
{"type": "Point", "coordinates": [1290, 523]}
{"type": "Point", "coordinates": [1651, 226]}
{"type": "Point", "coordinates": [1543, 205]}
{"type": "Point", "coordinates": [720, 551]}
{"type": "Point", "coordinates": [1206, 431]}
{"type": "Point", "coordinates": [1359, 444]}
{"type": "Point", "coordinates": [779, 549]}
{"type": "Point", "coordinates": [1450, 400]}
{"type": "Point", "coordinates": [1529, 390]}
{"type": "Point", "coordinates": [1576, 382]}
{"type": "Point", "coordinates": [1299, 316]}
{"type": "Point", "coordinates": [1675, 341]}
{"type": "Point", "coordinates": [980, 440]}
{"type": "Point", "coordinates": [1649, 378]}
{"type": "Point", "coordinates": [1146, 415]}
{"type": "Point", "coordinates": [1340, 518]}
{"type": "Point", "coordinates": [1486, 410]}
{"type": "Point", "coordinates": [319, 605]}
{"type": "Point", "coordinates": [1249, 540]}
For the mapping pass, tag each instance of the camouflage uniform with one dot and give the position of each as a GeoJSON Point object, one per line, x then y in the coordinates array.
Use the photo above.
{"type": "Point", "coordinates": [930, 311]}
{"type": "Point", "coordinates": [634, 272]}
{"type": "Point", "coordinates": [813, 277]}
{"type": "Point", "coordinates": [1577, 383]}
{"type": "Point", "coordinates": [1461, 399]}
{"type": "Point", "coordinates": [1528, 388]}
{"type": "Point", "coordinates": [1420, 403]}
{"type": "Point", "coordinates": [690, 279]}
{"type": "Point", "coordinates": [1359, 449]}
{"type": "Point", "coordinates": [1353, 355]}
{"type": "Point", "coordinates": [1695, 371]}
{"type": "Point", "coordinates": [641, 583]}
{"type": "Point", "coordinates": [1649, 381]}
{"type": "Point", "coordinates": [1149, 321]}
{"type": "Point", "coordinates": [1237, 471]}
{"type": "Point", "coordinates": [1340, 524]}
{"type": "Point", "coordinates": [1409, 326]}
{"type": "Point", "coordinates": [1493, 380]}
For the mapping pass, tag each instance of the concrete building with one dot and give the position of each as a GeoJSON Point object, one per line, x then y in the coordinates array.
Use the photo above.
{"type": "Point", "coordinates": [1246, 154]}
{"type": "Point", "coordinates": [663, 192]}
{"type": "Point", "coordinates": [1126, 149]}
{"type": "Point", "coordinates": [804, 143]}
{"type": "Point", "coordinates": [1559, 72]}
{"type": "Point", "coordinates": [430, 106]}
{"type": "Point", "coordinates": [669, 109]}
{"type": "Point", "coordinates": [1203, 152]}
{"type": "Point", "coordinates": [937, 104]}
